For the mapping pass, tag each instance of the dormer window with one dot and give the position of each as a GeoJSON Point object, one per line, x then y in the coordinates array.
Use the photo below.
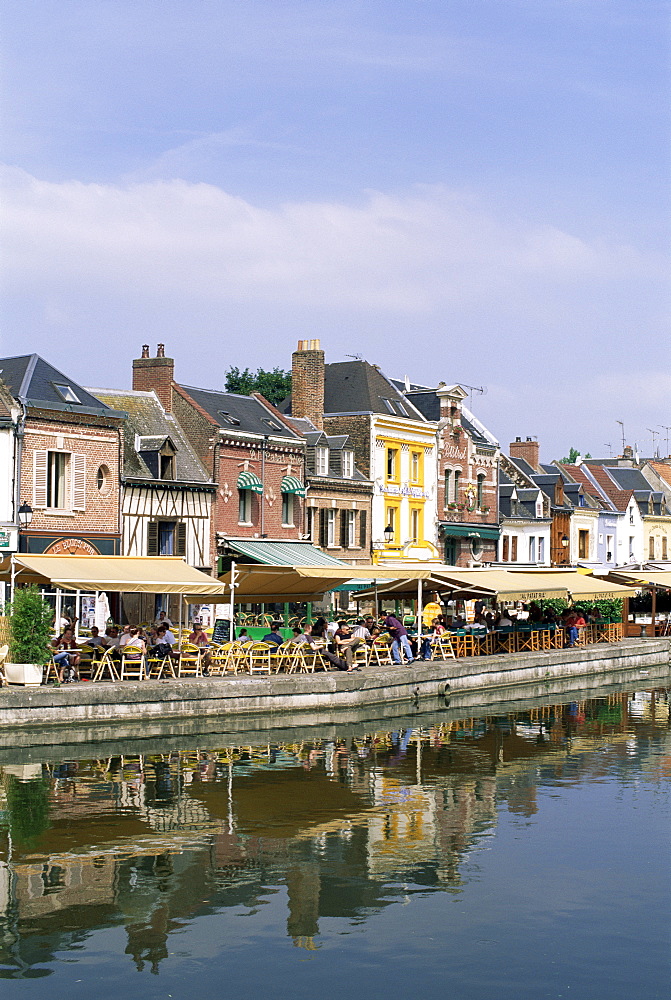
{"type": "Point", "coordinates": [347, 464]}
{"type": "Point", "coordinates": [67, 393]}
{"type": "Point", "coordinates": [321, 461]}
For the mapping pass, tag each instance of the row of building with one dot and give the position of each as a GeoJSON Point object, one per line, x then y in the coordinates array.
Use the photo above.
{"type": "Point", "coordinates": [359, 465]}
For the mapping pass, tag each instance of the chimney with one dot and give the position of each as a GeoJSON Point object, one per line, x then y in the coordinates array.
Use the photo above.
{"type": "Point", "coordinates": [307, 382]}
{"type": "Point", "coordinates": [529, 450]}
{"type": "Point", "coordinates": [155, 374]}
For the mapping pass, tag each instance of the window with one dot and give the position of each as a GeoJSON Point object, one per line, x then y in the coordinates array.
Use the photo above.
{"type": "Point", "coordinates": [287, 509]}
{"type": "Point", "coordinates": [651, 547]}
{"type": "Point", "coordinates": [57, 471]}
{"type": "Point", "coordinates": [363, 541]}
{"type": "Point", "coordinates": [448, 485]}
{"type": "Point", "coordinates": [513, 548]}
{"type": "Point", "coordinates": [451, 551]}
{"type": "Point", "coordinates": [457, 477]}
{"type": "Point", "coordinates": [392, 522]}
{"type": "Point", "coordinates": [348, 529]}
{"type": "Point", "coordinates": [532, 549]}
{"type": "Point", "coordinates": [67, 393]}
{"type": "Point", "coordinates": [415, 524]}
{"type": "Point", "coordinates": [227, 418]}
{"type": "Point", "coordinates": [505, 555]}
{"type": "Point", "coordinates": [330, 527]}
{"type": "Point", "coordinates": [609, 548]}
{"type": "Point", "coordinates": [392, 463]}
{"type": "Point", "coordinates": [166, 538]}
{"type": "Point", "coordinates": [167, 466]}
{"type": "Point", "coordinates": [103, 479]}
{"type": "Point", "coordinates": [310, 523]}
{"type": "Point", "coordinates": [347, 464]}
{"type": "Point", "coordinates": [481, 491]}
{"type": "Point", "coordinates": [583, 545]}
{"type": "Point", "coordinates": [244, 506]}
{"type": "Point", "coordinates": [541, 549]}
{"type": "Point", "coordinates": [59, 480]}
{"type": "Point", "coordinates": [631, 515]}
{"type": "Point", "coordinates": [322, 461]}
{"type": "Point", "coordinates": [631, 547]}
{"type": "Point", "coordinates": [415, 467]}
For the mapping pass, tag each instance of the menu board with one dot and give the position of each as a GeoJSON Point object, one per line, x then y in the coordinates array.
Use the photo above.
{"type": "Point", "coordinates": [222, 631]}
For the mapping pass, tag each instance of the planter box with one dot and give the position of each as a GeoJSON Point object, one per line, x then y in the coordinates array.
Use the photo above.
{"type": "Point", "coordinates": [23, 674]}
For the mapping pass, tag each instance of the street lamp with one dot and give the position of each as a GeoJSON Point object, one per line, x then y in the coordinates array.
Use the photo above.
{"type": "Point", "coordinates": [564, 541]}
{"type": "Point", "coordinates": [25, 515]}
{"type": "Point", "coordinates": [388, 534]}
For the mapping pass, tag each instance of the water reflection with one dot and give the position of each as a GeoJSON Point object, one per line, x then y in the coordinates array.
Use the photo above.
{"type": "Point", "coordinates": [345, 827]}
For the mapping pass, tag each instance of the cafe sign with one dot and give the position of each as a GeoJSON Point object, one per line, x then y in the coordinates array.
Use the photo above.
{"type": "Point", "coordinates": [8, 539]}
{"type": "Point", "coordinates": [71, 547]}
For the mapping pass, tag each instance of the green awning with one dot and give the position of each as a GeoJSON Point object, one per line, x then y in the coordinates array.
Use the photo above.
{"type": "Point", "coordinates": [292, 485]}
{"type": "Point", "coordinates": [469, 530]}
{"type": "Point", "coordinates": [250, 481]}
{"type": "Point", "coordinates": [282, 553]}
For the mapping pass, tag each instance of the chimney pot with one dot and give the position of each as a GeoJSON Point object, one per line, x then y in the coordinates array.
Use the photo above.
{"type": "Point", "coordinates": [145, 350]}
{"type": "Point", "coordinates": [160, 351]}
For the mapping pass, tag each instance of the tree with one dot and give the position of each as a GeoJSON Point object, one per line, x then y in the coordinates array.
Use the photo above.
{"type": "Point", "coordinates": [30, 627]}
{"type": "Point", "coordinates": [570, 459]}
{"type": "Point", "coordinates": [275, 385]}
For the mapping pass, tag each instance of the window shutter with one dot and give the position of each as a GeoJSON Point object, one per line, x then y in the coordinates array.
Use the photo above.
{"type": "Point", "coordinates": [513, 548]}
{"type": "Point", "coordinates": [362, 529]}
{"type": "Point", "coordinates": [152, 538]}
{"type": "Point", "coordinates": [343, 529]}
{"type": "Point", "coordinates": [40, 460]}
{"type": "Point", "coordinates": [323, 528]}
{"type": "Point", "coordinates": [181, 538]}
{"type": "Point", "coordinates": [78, 468]}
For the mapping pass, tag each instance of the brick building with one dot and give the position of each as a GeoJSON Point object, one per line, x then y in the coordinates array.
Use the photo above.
{"type": "Point", "coordinates": [69, 452]}
{"type": "Point", "coordinates": [394, 450]}
{"type": "Point", "coordinates": [247, 448]}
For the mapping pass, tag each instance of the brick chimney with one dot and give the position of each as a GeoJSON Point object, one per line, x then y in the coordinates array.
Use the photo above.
{"type": "Point", "coordinates": [155, 374]}
{"type": "Point", "coordinates": [529, 450]}
{"type": "Point", "coordinates": [307, 382]}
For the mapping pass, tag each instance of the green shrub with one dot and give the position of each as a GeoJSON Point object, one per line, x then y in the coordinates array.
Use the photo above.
{"type": "Point", "coordinates": [30, 627]}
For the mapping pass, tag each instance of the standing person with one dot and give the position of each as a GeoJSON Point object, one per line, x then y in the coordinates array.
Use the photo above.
{"type": "Point", "coordinates": [400, 639]}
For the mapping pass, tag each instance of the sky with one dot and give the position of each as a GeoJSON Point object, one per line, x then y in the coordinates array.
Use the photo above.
{"type": "Point", "coordinates": [471, 191]}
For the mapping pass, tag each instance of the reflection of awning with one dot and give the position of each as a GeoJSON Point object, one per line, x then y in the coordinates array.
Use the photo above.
{"type": "Point", "coordinates": [469, 530]}
{"type": "Point", "coordinates": [122, 574]}
{"type": "Point", "coordinates": [292, 485]}
{"type": "Point", "coordinates": [250, 481]}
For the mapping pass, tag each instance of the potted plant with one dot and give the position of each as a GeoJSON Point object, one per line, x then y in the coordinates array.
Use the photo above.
{"type": "Point", "coordinates": [30, 637]}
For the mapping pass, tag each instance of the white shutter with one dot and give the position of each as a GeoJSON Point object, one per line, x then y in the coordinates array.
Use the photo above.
{"type": "Point", "coordinates": [40, 460]}
{"type": "Point", "coordinates": [78, 471]}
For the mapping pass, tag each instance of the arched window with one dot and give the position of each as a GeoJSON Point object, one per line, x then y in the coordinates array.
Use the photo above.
{"type": "Point", "coordinates": [481, 490]}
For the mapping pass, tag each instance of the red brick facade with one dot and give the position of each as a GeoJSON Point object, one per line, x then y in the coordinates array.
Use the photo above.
{"type": "Point", "coordinates": [155, 374]}
{"type": "Point", "coordinates": [70, 475]}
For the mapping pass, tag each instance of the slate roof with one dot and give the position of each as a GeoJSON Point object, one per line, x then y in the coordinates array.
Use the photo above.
{"type": "Point", "coordinates": [524, 466]}
{"type": "Point", "coordinates": [242, 413]}
{"type": "Point", "coordinates": [426, 402]}
{"type": "Point", "coordinates": [359, 387]}
{"type": "Point", "coordinates": [33, 380]}
{"type": "Point", "coordinates": [149, 425]}
{"type": "Point", "coordinates": [628, 479]}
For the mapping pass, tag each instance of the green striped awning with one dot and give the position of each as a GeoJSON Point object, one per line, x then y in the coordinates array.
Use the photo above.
{"type": "Point", "coordinates": [292, 485]}
{"type": "Point", "coordinates": [250, 481]}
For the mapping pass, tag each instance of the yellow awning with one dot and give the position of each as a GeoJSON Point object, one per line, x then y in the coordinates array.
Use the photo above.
{"type": "Point", "coordinates": [257, 582]}
{"type": "Point", "coordinates": [579, 585]}
{"type": "Point", "coordinates": [503, 584]}
{"type": "Point", "coordinates": [124, 574]}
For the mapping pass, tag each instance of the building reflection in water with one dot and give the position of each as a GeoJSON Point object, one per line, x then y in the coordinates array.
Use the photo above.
{"type": "Point", "coordinates": [149, 843]}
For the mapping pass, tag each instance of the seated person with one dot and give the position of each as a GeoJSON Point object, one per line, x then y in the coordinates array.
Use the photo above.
{"type": "Point", "coordinates": [305, 635]}
{"type": "Point", "coordinates": [346, 644]}
{"type": "Point", "coordinates": [243, 636]}
{"type": "Point", "coordinates": [137, 645]}
{"type": "Point", "coordinates": [97, 642]}
{"type": "Point", "coordinates": [274, 634]}
{"type": "Point", "coordinates": [66, 656]}
{"type": "Point", "coordinates": [428, 640]}
{"type": "Point", "coordinates": [198, 638]}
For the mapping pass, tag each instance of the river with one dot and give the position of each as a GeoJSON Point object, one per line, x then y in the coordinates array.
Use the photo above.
{"type": "Point", "coordinates": [521, 852]}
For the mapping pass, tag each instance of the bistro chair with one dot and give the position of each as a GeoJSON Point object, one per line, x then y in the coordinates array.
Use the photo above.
{"type": "Point", "coordinates": [157, 665]}
{"type": "Point", "coordinates": [107, 665]}
{"type": "Point", "coordinates": [527, 639]}
{"type": "Point", "coordinates": [285, 657]}
{"type": "Point", "coordinates": [380, 651]}
{"type": "Point", "coordinates": [87, 661]}
{"type": "Point", "coordinates": [442, 647]}
{"type": "Point", "coordinates": [506, 639]}
{"type": "Point", "coordinates": [259, 657]}
{"type": "Point", "coordinates": [464, 643]}
{"type": "Point", "coordinates": [188, 664]}
{"type": "Point", "coordinates": [132, 663]}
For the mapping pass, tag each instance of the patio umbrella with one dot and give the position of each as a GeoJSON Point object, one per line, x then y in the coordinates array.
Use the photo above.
{"type": "Point", "coordinates": [102, 611]}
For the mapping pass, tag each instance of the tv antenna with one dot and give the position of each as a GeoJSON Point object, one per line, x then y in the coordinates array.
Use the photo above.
{"type": "Point", "coordinates": [610, 448]}
{"type": "Point", "coordinates": [355, 357]}
{"type": "Point", "coordinates": [620, 422]}
{"type": "Point", "coordinates": [667, 429]}
{"type": "Point", "coordinates": [655, 435]}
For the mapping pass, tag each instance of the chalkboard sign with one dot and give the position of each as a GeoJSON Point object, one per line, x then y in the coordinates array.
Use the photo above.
{"type": "Point", "coordinates": [222, 631]}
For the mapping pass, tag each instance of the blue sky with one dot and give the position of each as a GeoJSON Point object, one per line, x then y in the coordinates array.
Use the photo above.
{"type": "Point", "coordinates": [458, 190]}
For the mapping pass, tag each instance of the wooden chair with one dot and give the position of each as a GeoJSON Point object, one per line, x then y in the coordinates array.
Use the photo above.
{"type": "Point", "coordinates": [464, 643]}
{"type": "Point", "coordinates": [189, 662]}
{"type": "Point", "coordinates": [157, 666]}
{"type": "Point", "coordinates": [285, 658]}
{"type": "Point", "coordinates": [527, 640]}
{"type": "Point", "coordinates": [506, 640]}
{"type": "Point", "coordinates": [442, 647]}
{"type": "Point", "coordinates": [259, 657]}
{"type": "Point", "coordinates": [107, 665]}
{"type": "Point", "coordinates": [132, 663]}
{"type": "Point", "coordinates": [380, 652]}
{"type": "Point", "coordinates": [87, 662]}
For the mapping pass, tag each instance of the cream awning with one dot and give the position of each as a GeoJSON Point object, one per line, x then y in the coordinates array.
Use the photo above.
{"type": "Point", "coordinates": [644, 577]}
{"type": "Point", "coordinates": [504, 585]}
{"type": "Point", "coordinates": [260, 582]}
{"type": "Point", "coordinates": [580, 585]}
{"type": "Point", "coordinates": [124, 574]}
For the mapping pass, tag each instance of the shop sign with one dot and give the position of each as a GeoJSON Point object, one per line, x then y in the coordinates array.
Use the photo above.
{"type": "Point", "coordinates": [5, 539]}
{"type": "Point", "coordinates": [404, 490]}
{"type": "Point", "coordinates": [71, 547]}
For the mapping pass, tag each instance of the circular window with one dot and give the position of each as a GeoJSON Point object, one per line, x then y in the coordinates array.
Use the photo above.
{"type": "Point", "coordinates": [104, 479]}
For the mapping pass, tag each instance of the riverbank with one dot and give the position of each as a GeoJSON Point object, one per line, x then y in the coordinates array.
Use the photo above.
{"type": "Point", "coordinates": [286, 700]}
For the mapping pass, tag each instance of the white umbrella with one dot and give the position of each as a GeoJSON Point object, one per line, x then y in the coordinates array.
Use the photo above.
{"type": "Point", "coordinates": [102, 611]}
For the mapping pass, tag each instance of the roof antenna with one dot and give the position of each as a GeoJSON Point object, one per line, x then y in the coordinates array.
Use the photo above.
{"type": "Point", "coordinates": [356, 357]}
